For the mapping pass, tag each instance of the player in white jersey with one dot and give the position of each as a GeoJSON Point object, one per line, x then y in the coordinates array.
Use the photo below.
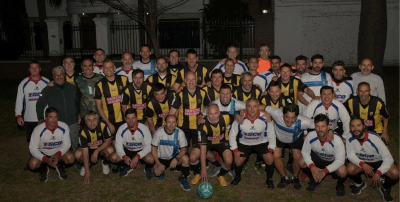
{"type": "Point", "coordinates": [259, 79]}
{"type": "Point", "coordinates": [255, 135]}
{"type": "Point", "coordinates": [332, 108]}
{"type": "Point", "coordinates": [145, 63]}
{"type": "Point", "coordinates": [368, 154]}
{"type": "Point", "coordinates": [99, 57]}
{"type": "Point", "coordinates": [127, 67]}
{"type": "Point", "coordinates": [232, 53]}
{"type": "Point", "coordinates": [274, 72]}
{"type": "Point", "coordinates": [132, 144]}
{"type": "Point", "coordinates": [226, 103]}
{"type": "Point", "coordinates": [343, 85]}
{"type": "Point", "coordinates": [289, 127]}
{"type": "Point", "coordinates": [323, 153]}
{"type": "Point", "coordinates": [168, 149]}
{"type": "Point", "coordinates": [50, 145]}
{"type": "Point", "coordinates": [28, 94]}
{"type": "Point", "coordinates": [366, 75]}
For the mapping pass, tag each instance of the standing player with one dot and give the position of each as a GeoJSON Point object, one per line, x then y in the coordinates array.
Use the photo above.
{"type": "Point", "coordinates": [145, 63]}
{"type": "Point", "coordinates": [323, 153]}
{"type": "Point", "coordinates": [50, 145]}
{"type": "Point", "coordinates": [301, 66]}
{"type": "Point", "coordinates": [127, 67]}
{"type": "Point", "coordinates": [202, 74]}
{"type": "Point", "coordinates": [95, 141]}
{"type": "Point", "coordinates": [70, 73]}
{"type": "Point", "coordinates": [169, 150]}
{"type": "Point", "coordinates": [232, 52]}
{"type": "Point", "coordinates": [274, 72]}
{"type": "Point", "coordinates": [226, 103]}
{"type": "Point", "coordinates": [163, 76]}
{"type": "Point", "coordinates": [229, 76]}
{"type": "Point", "coordinates": [368, 154]}
{"type": "Point", "coordinates": [247, 90]}
{"type": "Point", "coordinates": [99, 57]}
{"type": "Point", "coordinates": [343, 85]}
{"type": "Point", "coordinates": [256, 135]}
{"type": "Point", "coordinates": [259, 79]}
{"type": "Point", "coordinates": [263, 62]}
{"type": "Point", "coordinates": [133, 143]}
{"type": "Point", "coordinates": [215, 85]}
{"type": "Point", "coordinates": [174, 66]}
{"type": "Point", "coordinates": [136, 95]}
{"type": "Point", "coordinates": [274, 97]}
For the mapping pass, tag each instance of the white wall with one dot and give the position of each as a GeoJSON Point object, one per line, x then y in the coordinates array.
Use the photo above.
{"type": "Point", "coordinates": [327, 28]}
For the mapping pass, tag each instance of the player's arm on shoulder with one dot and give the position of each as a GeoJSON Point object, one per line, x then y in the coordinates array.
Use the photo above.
{"type": "Point", "coordinates": [232, 135]}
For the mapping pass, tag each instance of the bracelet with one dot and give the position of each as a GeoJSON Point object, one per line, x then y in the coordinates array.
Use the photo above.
{"type": "Point", "coordinates": [176, 158]}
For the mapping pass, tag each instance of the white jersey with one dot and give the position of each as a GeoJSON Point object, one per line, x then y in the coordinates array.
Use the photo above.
{"type": "Point", "coordinates": [327, 151]}
{"type": "Point", "coordinates": [27, 96]}
{"type": "Point", "coordinates": [122, 72]}
{"type": "Point", "coordinates": [45, 142]}
{"type": "Point", "coordinates": [371, 149]}
{"type": "Point", "coordinates": [168, 146]}
{"type": "Point", "coordinates": [232, 108]}
{"type": "Point", "coordinates": [334, 112]}
{"type": "Point", "coordinates": [262, 80]}
{"type": "Point", "coordinates": [252, 132]}
{"type": "Point", "coordinates": [148, 68]}
{"type": "Point", "coordinates": [137, 140]}
{"type": "Point", "coordinates": [288, 134]}
{"type": "Point", "coordinates": [239, 67]}
{"type": "Point", "coordinates": [375, 82]}
{"type": "Point", "coordinates": [343, 89]}
{"type": "Point", "coordinates": [270, 74]}
{"type": "Point", "coordinates": [314, 82]}
{"type": "Point", "coordinates": [98, 69]}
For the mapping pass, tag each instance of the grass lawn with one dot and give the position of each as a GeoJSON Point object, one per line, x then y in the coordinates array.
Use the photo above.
{"type": "Point", "coordinates": [19, 185]}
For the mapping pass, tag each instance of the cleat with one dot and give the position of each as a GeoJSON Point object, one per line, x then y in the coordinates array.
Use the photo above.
{"type": "Point", "coordinates": [62, 174]}
{"type": "Point", "coordinates": [236, 181]}
{"type": "Point", "coordinates": [340, 191]}
{"type": "Point", "coordinates": [161, 177]}
{"type": "Point", "coordinates": [195, 179]}
{"type": "Point", "coordinates": [312, 185]}
{"type": "Point", "coordinates": [185, 184]}
{"type": "Point", "coordinates": [357, 188]}
{"type": "Point", "coordinates": [106, 168]}
{"type": "Point", "coordinates": [82, 172]}
{"type": "Point", "coordinates": [296, 183]}
{"type": "Point", "coordinates": [284, 182]}
{"type": "Point", "coordinates": [148, 172]}
{"type": "Point", "coordinates": [125, 171]}
{"type": "Point", "coordinates": [44, 173]}
{"type": "Point", "coordinates": [270, 184]}
{"type": "Point", "coordinates": [215, 171]}
{"type": "Point", "coordinates": [386, 194]}
{"type": "Point", "coordinates": [259, 168]}
{"type": "Point", "coordinates": [222, 181]}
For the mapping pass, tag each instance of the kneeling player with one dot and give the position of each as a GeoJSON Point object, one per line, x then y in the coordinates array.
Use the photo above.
{"type": "Point", "coordinates": [50, 145]}
{"type": "Point", "coordinates": [323, 153]}
{"type": "Point", "coordinates": [133, 143]}
{"type": "Point", "coordinates": [212, 135]}
{"type": "Point", "coordinates": [95, 140]}
{"type": "Point", "coordinates": [367, 153]}
{"type": "Point", "coordinates": [256, 135]}
{"type": "Point", "coordinates": [169, 150]}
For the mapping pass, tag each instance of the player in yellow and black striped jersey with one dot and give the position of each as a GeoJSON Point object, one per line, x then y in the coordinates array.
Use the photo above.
{"type": "Point", "coordinates": [274, 97]}
{"type": "Point", "coordinates": [158, 107]}
{"type": "Point", "coordinates": [137, 94]}
{"type": "Point", "coordinates": [70, 72]}
{"type": "Point", "coordinates": [192, 66]}
{"type": "Point", "coordinates": [370, 109]}
{"type": "Point", "coordinates": [174, 66]}
{"type": "Point", "coordinates": [163, 76]}
{"type": "Point", "coordinates": [247, 90]}
{"type": "Point", "coordinates": [229, 76]}
{"type": "Point", "coordinates": [216, 83]}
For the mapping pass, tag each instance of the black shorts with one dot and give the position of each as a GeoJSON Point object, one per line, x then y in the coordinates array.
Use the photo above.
{"type": "Point", "coordinates": [116, 126]}
{"type": "Point", "coordinates": [260, 149]}
{"type": "Point", "coordinates": [190, 134]}
{"type": "Point", "coordinates": [375, 165]}
{"type": "Point", "coordinates": [220, 148]}
{"type": "Point", "coordinates": [318, 162]}
{"type": "Point", "coordinates": [297, 144]}
{"type": "Point", "coordinates": [29, 127]}
{"type": "Point", "coordinates": [166, 162]}
{"type": "Point", "coordinates": [131, 154]}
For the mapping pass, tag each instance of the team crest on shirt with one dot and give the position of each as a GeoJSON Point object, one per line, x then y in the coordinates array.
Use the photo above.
{"type": "Point", "coordinates": [223, 128]}
{"type": "Point", "coordinates": [36, 88]}
{"type": "Point", "coordinates": [363, 113]}
{"type": "Point", "coordinates": [199, 101]}
{"type": "Point", "coordinates": [252, 128]}
{"type": "Point", "coordinates": [291, 90]}
{"type": "Point", "coordinates": [53, 137]}
{"type": "Point", "coordinates": [99, 134]}
{"type": "Point", "coordinates": [199, 79]}
{"type": "Point", "coordinates": [362, 149]}
{"type": "Point", "coordinates": [371, 113]}
{"type": "Point", "coordinates": [144, 97]}
{"type": "Point", "coordinates": [120, 87]}
{"type": "Point", "coordinates": [133, 138]}
{"type": "Point", "coordinates": [323, 149]}
{"type": "Point", "coordinates": [168, 84]}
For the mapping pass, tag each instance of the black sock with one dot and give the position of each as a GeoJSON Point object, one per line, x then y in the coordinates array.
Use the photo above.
{"type": "Point", "coordinates": [223, 171]}
{"type": "Point", "coordinates": [216, 164]}
{"type": "Point", "coordinates": [238, 171]}
{"type": "Point", "coordinates": [105, 162]}
{"type": "Point", "coordinates": [259, 159]}
{"type": "Point", "coordinates": [196, 167]}
{"type": "Point", "coordinates": [340, 181]}
{"type": "Point", "coordinates": [121, 164]}
{"type": "Point", "coordinates": [148, 165]}
{"type": "Point", "coordinates": [185, 171]}
{"type": "Point", "coordinates": [389, 182]}
{"type": "Point", "coordinates": [307, 171]}
{"type": "Point", "coordinates": [290, 160]}
{"type": "Point", "coordinates": [356, 178]}
{"type": "Point", "coordinates": [269, 169]}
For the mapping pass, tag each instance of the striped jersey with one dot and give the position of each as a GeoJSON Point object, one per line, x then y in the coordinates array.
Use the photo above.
{"type": "Point", "coordinates": [242, 95]}
{"type": "Point", "coordinates": [343, 88]}
{"type": "Point", "coordinates": [213, 93]}
{"type": "Point", "coordinates": [201, 74]}
{"type": "Point", "coordinates": [215, 133]}
{"type": "Point", "coordinates": [168, 145]}
{"type": "Point", "coordinates": [157, 111]}
{"type": "Point", "coordinates": [122, 72]}
{"type": "Point", "coordinates": [148, 68]}
{"type": "Point", "coordinates": [137, 98]}
{"type": "Point", "coordinates": [71, 79]}
{"type": "Point", "coordinates": [239, 67]}
{"type": "Point", "coordinates": [27, 96]}
{"type": "Point", "coordinates": [233, 80]}
{"type": "Point", "coordinates": [93, 139]}
{"type": "Point", "coordinates": [167, 80]}
{"type": "Point", "coordinates": [138, 139]}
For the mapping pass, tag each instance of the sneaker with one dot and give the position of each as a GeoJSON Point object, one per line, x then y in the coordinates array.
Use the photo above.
{"type": "Point", "coordinates": [195, 179]}
{"type": "Point", "coordinates": [312, 185]}
{"type": "Point", "coordinates": [82, 172]}
{"type": "Point", "coordinates": [340, 191]}
{"type": "Point", "coordinates": [232, 173]}
{"type": "Point", "coordinates": [185, 184]}
{"type": "Point", "coordinates": [44, 173]}
{"type": "Point", "coordinates": [357, 188]}
{"type": "Point", "coordinates": [296, 183]}
{"type": "Point", "coordinates": [386, 194]}
{"type": "Point", "coordinates": [303, 177]}
{"type": "Point", "coordinates": [270, 184]}
{"type": "Point", "coordinates": [215, 171]}
{"type": "Point", "coordinates": [161, 177]}
{"type": "Point", "coordinates": [236, 181]}
{"type": "Point", "coordinates": [62, 174]}
{"type": "Point", "coordinates": [78, 165]}
{"type": "Point", "coordinates": [289, 167]}
{"type": "Point", "coordinates": [244, 167]}
{"type": "Point", "coordinates": [106, 168]}
{"type": "Point", "coordinates": [222, 181]}
{"type": "Point", "coordinates": [125, 171]}
{"type": "Point", "coordinates": [148, 172]}
{"type": "Point", "coordinates": [259, 168]}
{"type": "Point", "coordinates": [285, 181]}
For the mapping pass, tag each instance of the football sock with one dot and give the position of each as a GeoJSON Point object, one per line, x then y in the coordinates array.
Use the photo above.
{"type": "Point", "coordinates": [269, 169]}
{"type": "Point", "coordinates": [389, 182]}
{"type": "Point", "coordinates": [185, 171]}
{"type": "Point", "coordinates": [223, 171]}
{"type": "Point", "coordinates": [238, 171]}
{"type": "Point", "coordinates": [195, 167]}
{"type": "Point", "coordinates": [356, 178]}
{"type": "Point", "coordinates": [216, 164]}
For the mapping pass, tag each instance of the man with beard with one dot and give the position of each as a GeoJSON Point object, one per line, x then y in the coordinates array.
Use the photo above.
{"type": "Point", "coordinates": [127, 67]}
{"type": "Point", "coordinates": [232, 52]}
{"type": "Point", "coordinates": [263, 62]}
{"type": "Point", "coordinates": [99, 56]}
{"type": "Point", "coordinates": [174, 66]}
{"type": "Point", "coordinates": [70, 73]}
{"type": "Point", "coordinates": [247, 90]}
{"type": "Point", "coordinates": [274, 97]}
{"type": "Point", "coordinates": [163, 76]}
{"type": "Point", "coordinates": [368, 154]}
{"type": "Point", "coordinates": [343, 85]}
{"type": "Point", "coordinates": [145, 63]}
{"type": "Point", "coordinates": [201, 72]}
{"type": "Point", "coordinates": [215, 87]}
{"type": "Point", "coordinates": [229, 76]}
{"type": "Point", "coordinates": [274, 72]}
{"type": "Point", "coordinates": [301, 66]}
{"type": "Point", "coordinates": [323, 153]}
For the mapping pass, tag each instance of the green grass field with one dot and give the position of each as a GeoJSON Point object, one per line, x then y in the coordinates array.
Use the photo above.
{"type": "Point", "coordinates": [19, 185]}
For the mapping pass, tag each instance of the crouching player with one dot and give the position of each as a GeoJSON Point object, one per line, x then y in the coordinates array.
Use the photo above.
{"type": "Point", "coordinates": [255, 135]}
{"type": "Point", "coordinates": [212, 135]}
{"type": "Point", "coordinates": [49, 146]}
{"type": "Point", "coordinates": [323, 153]}
{"type": "Point", "coordinates": [133, 143]}
{"type": "Point", "coordinates": [95, 141]}
{"type": "Point", "coordinates": [169, 150]}
{"type": "Point", "coordinates": [368, 153]}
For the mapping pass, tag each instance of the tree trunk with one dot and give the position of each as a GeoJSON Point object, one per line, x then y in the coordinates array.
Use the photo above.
{"type": "Point", "coordinates": [372, 32]}
{"type": "Point", "coordinates": [153, 27]}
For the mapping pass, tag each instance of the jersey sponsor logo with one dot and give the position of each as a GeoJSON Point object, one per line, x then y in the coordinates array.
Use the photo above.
{"type": "Point", "coordinates": [324, 156]}
{"type": "Point", "coordinates": [51, 145]}
{"type": "Point", "coordinates": [340, 96]}
{"type": "Point", "coordinates": [115, 99]}
{"type": "Point", "coordinates": [139, 106]}
{"type": "Point", "coordinates": [36, 88]}
{"type": "Point", "coordinates": [133, 145]}
{"type": "Point", "coordinates": [365, 156]}
{"type": "Point", "coordinates": [53, 137]}
{"type": "Point", "coordinates": [252, 136]}
{"type": "Point", "coordinates": [252, 128]}
{"type": "Point", "coordinates": [97, 143]}
{"type": "Point", "coordinates": [369, 122]}
{"type": "Point", "coordinates": [331, 121]}
{"type": "Point", "coordinates": [33, 96]}
{"type": "Point", "coordinates": [192, 112]}
{"type": "Point", "coordinates": [215, 138]}
{"type": "Point", "coordinates": [162, 115]}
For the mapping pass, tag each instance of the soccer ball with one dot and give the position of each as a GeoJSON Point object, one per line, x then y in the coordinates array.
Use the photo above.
{"type": "Point", "coordinates": [205, 190]}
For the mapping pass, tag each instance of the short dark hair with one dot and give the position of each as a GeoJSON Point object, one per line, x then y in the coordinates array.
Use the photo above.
{"type": "Point", "coordinates": [262, 45]}
{"type": "Point", "coordinates": [100, 49]}
{"type": "Point", "coordinates": [130, 111]}
{"type": "Point", "coordinates": [191, 51]}
{"type": "Point", "coordinates": [137, 71]}
{"type": "Point", "coordinates": [321, 118]}
{"type": "Point", "coordinates": [352, 118]}
{"type": "Point", "coordinates": [301, 57]}
{"type": "Point", "coordinates": [50, 110]}
{"type": "Point", "coordinates": [338, 63]}
{"type": "Point", "coordinates": [231, 46]}
{"type": "Point", "coordinates": [91, 112]}
{"type": "Point", "coordinates": [363, 83]}
{"type": "Point", "coordinates": [273, 83]}
{"type": "Point", "coordinates": [34, 62]}
{"type": "Point", "coordinates": [108, 60]}
{"type": "Point", "coordinates": [145, 45]}
{"type": "Point", "coordinates": [158, 86]}
{"type": "Point", "coordinates": [174, 50]}
{"type": "Point", "coordinates": [286, 65]}
{"type": "Point", "coordinates": [291, 108]}
{"type": "Point", "coordinates": [84, 59]}
{"type": "Point", "coordinates": [216, 71]}
{"type": "Point", "coordinates": [225, 86]}
{"type": "Point", "coordinates": [317, 56]}
{"type": "Point", "coordinates": [228, 59]}
{"type": "Point", "coordinates": [275, 57]}
{"type": "Point", "coordinates": [326, 88]}
{"type": "Point", "coordinates": [161, 58]}
{"type": "Point", "coordinates": [252, 99]}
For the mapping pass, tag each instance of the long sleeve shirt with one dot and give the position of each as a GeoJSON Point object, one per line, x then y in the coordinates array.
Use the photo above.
{"type": "Point", "coordinates": [137, 140]}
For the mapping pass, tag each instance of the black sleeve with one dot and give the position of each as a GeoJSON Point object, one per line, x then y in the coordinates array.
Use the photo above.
{"type": "Point", "coordinates": [202, 134]}
{"type": "Point", "coordinates": [301, 87]}
{"type": "Point", "coordinates": [82, 140]}
{"type": "Point", "coordinates": [97, 92]}
{"type": "Point", "coordinates": [149, 113]}
{"type": "Point", "coordinates": [383, 111]}
{"type": "Point", "coordinates": [176, 103]}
